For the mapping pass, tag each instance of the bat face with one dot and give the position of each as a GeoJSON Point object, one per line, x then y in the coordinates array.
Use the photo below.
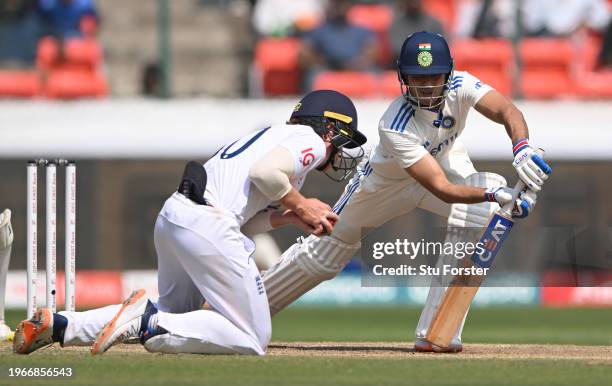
{"type": "Point", "coordinates": [492, 240]}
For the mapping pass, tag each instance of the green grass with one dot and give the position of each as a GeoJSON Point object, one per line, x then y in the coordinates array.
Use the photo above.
{"type": "Point", "coordinates": [150, 369]}
{"type": "Point", "coordinates": [484, 325]}
{"type": "Point", "coordinates": [491, 325]}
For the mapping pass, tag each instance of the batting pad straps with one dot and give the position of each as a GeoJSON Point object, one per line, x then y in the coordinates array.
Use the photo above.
{"type": "Point", "coordinates": [303, 266]}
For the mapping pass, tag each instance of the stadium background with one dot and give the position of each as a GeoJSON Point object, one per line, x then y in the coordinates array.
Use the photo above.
{"type": "Point", "coordinates": [145, 86]}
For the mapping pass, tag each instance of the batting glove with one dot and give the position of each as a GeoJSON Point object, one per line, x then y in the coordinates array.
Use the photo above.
{"type": "Point", "coordinates": [531, 168]}
{"type": "Point", "coordinates": [523, 205]}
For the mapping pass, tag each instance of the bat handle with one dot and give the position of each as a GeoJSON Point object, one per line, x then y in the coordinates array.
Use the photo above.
{"type": "Point", "coordinates": [520, 185]}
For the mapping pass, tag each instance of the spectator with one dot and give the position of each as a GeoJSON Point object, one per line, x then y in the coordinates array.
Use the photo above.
{"type": "Point", "coordinates": [563, 17]}
{"type": "Point", "coordinates": [19, 31]}
{"type": "Point", "coordinates": [487, 19]}
{"type": "Point", "coordinates": [410, 18]}
{"type": "Point", "coordinates": [338, 45]}
{"type": "Point", "coordinates": [285, 18]}
{"type": "Point", "coordinates": [64, 18]}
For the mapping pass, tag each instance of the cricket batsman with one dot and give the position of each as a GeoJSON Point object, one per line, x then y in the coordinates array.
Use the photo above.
{"type": "Point", "coordinates": [419, 162]}
{"type": "Point", "coordinates": [203, 251]}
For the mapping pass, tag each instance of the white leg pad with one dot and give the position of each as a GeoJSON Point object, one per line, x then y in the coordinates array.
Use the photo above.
{"type": "Point", "coordinates": [303, 266]}
{"type": "Point", "coordinates": [464, 224]}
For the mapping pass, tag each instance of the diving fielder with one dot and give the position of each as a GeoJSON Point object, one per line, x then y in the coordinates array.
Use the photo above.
{"type": "Point", "coordinates": [418, 163]}
{"type": "Point", "coordinates": [203, 252]}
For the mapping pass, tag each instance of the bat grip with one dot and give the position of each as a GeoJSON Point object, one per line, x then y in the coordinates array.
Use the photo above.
{"type": "Point", "coordinates": [520, 185]}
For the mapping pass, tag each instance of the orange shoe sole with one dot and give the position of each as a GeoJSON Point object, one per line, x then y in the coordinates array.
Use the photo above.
{"type": "Point", "coordinates": [26, 331]}
{"type": "Point", "coordinates": [110, 326]}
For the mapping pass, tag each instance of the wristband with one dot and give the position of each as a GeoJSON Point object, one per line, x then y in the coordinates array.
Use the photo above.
{"type": "Point", "coordinates": [521, 144]}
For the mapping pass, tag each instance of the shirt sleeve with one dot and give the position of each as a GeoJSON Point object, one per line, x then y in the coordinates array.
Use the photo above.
{"type": "Point", "coordinates": [260, 223]}
{"type": "Point", "coordinates": [272, 173]}
{"type": "Point", "coordinates": [307, 150]}
{"type": "Point", "coordinates": [470, 88]}
{"type": "Point", "coordinates": [406, 148]}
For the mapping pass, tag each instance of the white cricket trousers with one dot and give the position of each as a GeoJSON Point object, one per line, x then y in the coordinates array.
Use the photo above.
{"type": "Point", "coordinates": [202, 255]}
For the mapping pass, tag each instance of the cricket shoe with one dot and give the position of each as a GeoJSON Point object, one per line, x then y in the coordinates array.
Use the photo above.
{"type": "Point", "coordinates": [6, 334]}
{"type": "Point", "coordinates": [34, 333]}
{"type": "Point", "coordinates": [136, 319]}
{"type": "Point", "coordinates": [422, 345]}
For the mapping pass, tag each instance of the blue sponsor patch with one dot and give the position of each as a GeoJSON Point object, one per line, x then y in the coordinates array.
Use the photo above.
{"type": "Point", "coordinates": [492, 241]}
{"type": "Point", "coordinates": [260, 285]}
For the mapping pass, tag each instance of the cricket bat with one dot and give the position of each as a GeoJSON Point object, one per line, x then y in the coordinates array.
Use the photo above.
{"type": "Point", "coordinates": [462, 289]}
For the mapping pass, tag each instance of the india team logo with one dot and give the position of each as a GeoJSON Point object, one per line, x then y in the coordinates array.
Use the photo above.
{"type": "Point", "coordinates": [424, 59]}
{"type": "Point", "coordinates": [448, 122]}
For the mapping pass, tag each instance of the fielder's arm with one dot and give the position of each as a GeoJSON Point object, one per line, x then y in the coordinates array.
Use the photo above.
{"type": "Point", "coordinates": [271, 175]}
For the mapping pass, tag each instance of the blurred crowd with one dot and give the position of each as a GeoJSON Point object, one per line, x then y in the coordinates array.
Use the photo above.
{"type": "Point", "coordinates": [49, 48]}
{"type": "Point", "coordinates": [366, 36]}
{"type": "Point", "coordinates": [24, 22]}
{"type": "Point", "coordinates": [528, 48]}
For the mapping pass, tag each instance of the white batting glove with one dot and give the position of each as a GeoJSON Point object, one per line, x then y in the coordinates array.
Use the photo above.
{"type": "Point", "coordinates": [531, 168]}
{"type": "Point", "coordinates": [523, 205]}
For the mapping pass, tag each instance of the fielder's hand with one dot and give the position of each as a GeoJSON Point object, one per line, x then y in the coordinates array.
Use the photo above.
{"type": "Point", "coordinates": [317, 215]}
{"type": "Point", "coordinates": [523, 205]}
{"type": "Point", "coordinates": [531, 168]}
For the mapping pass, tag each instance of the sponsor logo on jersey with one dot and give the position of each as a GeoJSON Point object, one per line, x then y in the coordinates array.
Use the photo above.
{"type": "Point", "coordinates": [307, 156]}
{"type": "Point", "coordinates": [260, 285]}
{"type": "Point", "coordinates": [437, 149]}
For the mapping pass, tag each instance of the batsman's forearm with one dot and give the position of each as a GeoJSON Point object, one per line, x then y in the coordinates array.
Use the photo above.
{"type": "Point", "coordinates": [452, 194]}
{"type": "Point", "coordinates": [515, 123]}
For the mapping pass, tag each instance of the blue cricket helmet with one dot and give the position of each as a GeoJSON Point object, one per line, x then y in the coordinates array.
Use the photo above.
{"type": "Point", "coordinates": [424, 53]}
{"type": "Point", "coordinates": [334, 105]}
{"type": "Point", "coordinates": [332, 113]}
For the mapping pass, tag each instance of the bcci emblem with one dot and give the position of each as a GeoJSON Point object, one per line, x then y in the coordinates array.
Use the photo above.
{"type": "Point", "coordinates": [424, 59]}
{"type": "Point", "coordinates": [448, 122]}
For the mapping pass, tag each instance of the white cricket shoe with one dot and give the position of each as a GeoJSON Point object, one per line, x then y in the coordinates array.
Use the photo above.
{"type": "Point", "coordinates": [6, 334]}
{"type": "Point", "coordinates": [422, 345]}
{"type": "Point", "coordinates": [125, 325]}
